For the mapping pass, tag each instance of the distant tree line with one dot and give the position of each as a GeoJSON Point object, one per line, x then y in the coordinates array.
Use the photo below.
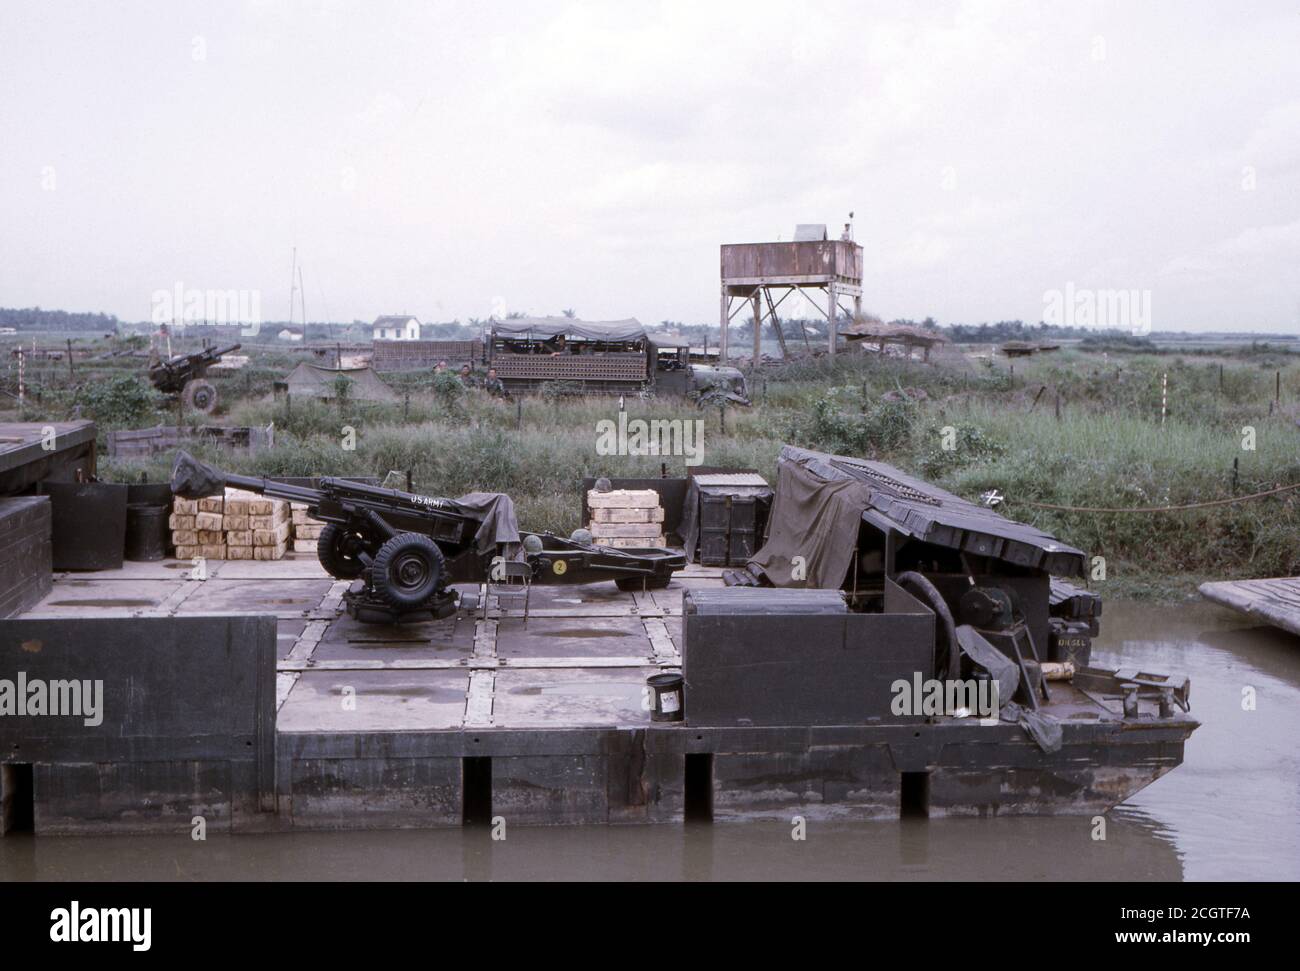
{"type": "Point", "coordinates": [1018, 330]}
{"type": "Point", "coordinates": [742, 328]}
{"type": "Point", "coordinates": [34, 318]}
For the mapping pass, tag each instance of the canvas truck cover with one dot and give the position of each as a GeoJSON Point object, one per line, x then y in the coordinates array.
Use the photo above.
{"type": "Point", "coordinates": [821, 499]}
{"type": "Point", "coordinates": [541, 328]}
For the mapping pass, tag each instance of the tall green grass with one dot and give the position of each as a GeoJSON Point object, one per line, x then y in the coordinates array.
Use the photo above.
{"type": "Point", "coordinates": [1107, 449]}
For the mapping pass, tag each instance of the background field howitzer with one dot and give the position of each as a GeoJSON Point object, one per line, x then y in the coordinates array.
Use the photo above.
{"type": "Point", "coordinates": [186, 375]}
{"type": "Point", "coordinates": [404, 549]}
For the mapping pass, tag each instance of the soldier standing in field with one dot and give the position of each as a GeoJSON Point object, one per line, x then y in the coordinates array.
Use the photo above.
{"type": "Point", "coordinates": [494, 385]}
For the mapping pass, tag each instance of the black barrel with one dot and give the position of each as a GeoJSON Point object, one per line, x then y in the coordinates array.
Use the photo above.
{"type": "Point", "coordinates": [146, 532]}
{"type": "Point", "coordinates": [149, 494]}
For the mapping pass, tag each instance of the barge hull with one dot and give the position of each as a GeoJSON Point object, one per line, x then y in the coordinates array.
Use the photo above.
{"type": "Point", "coordinates": [249, 701]}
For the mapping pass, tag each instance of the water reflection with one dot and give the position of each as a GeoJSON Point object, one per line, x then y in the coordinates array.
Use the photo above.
{"type": "Point", "coordinates": [911, 850]}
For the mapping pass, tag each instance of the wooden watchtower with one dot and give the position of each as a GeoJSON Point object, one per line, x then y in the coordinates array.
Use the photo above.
{"type": "Point", "coordinates": [765, 274]}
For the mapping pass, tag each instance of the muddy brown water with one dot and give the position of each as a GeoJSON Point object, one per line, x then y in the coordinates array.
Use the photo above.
{"type": "Point", "coordinates": [1230, 812]}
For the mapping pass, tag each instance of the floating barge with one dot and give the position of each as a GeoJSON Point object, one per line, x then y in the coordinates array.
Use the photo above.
{"type": "Point", "coordinates": [247, 696]}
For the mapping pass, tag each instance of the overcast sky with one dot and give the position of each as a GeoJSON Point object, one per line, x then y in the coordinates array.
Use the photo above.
{"type": "Point", "coordinates": [455, 159]}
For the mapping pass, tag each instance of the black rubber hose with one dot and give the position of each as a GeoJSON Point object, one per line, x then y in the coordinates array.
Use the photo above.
{"type": "Point", "coordinates": [923, 588]}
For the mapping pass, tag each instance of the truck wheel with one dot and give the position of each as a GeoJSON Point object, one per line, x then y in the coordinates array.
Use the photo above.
{"type": "Point", "coordinates": [634, 584]}
{"type": "Point", "coordinates": [338, 549]}
{"type": "Point", "coordinates": [200, 396]}
{"type": "Point", "coordinates": [406, 570]}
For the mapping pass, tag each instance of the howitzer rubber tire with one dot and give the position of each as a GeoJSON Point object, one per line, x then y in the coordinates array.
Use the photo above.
{"type": "Point", "coordinates": [407, 570]}
{"type": "Point", "coordinates": [332, 551]}
{"type": "Point", "coordinates": [200, 396]}
{"type": "Point", "coordinates": [634, 584]}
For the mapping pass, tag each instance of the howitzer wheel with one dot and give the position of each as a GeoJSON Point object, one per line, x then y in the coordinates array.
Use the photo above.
{"type": "Point", "coordinates": [200, 396]}
{"type": "Point", "coordinates": [407, 570]}
{"type": "Point", "coordinates": [339, 552]}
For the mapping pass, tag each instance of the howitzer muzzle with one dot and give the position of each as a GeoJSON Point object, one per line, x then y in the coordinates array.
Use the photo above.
{"type": "Point", "coordinates": [192, 479]}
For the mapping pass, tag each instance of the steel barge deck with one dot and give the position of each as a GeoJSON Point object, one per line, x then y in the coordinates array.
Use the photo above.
{"type": "Point", "coordinates": [251, 700]}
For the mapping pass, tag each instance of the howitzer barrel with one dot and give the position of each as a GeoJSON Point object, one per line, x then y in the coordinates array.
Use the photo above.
{"type": "Point", "coordinates": [208, 355]}
{"type": "Point", "coordinates": [194, 479]}
{"type": "Point", "coordinates": [337, 489]}
{"type": "Point", "coordinates": [276, 490]}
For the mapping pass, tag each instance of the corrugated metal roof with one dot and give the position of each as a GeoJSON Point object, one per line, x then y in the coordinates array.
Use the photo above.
{"type": "Point", "coordinates": [932, 515]}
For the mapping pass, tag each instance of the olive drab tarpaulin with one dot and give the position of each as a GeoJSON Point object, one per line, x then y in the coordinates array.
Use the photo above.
{"type": "Point", "coordinates": [814, 518]}
{"type": "Point", "coordinates": [192, 479]}
{"type": "Point", "coordinates": [496, 512]}
{"type": "Point", "coordinates": [1044, 729]}
{"type": "Point", "coordinates": [1000, 668]}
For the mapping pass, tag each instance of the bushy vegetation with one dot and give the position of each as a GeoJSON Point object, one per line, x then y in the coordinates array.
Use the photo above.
{"type": "Point", "coordinates": [119, 401]}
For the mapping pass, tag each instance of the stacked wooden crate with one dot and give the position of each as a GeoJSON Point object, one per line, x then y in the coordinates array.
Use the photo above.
{"type": "Point", "coordinates": [197, 528]}
{"type": "Point", "coordinates": [257, 527]}
{"type": "Point", "coordinates": [306, 531]}
{"type": "Point", "coordinates": [235, 526]}
{"type": "Point", "coordinates": [626, 518]}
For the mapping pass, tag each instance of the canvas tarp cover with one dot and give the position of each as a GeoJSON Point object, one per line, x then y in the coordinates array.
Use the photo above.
{"type": "Point", "coordinates": [308, 380]}
{"type": "Point", "coordinates": [541, 328]}
{"type": "Point", "coordinates": [815, 518]}
{"type": "Point", "coordinates": [914, 508]}
{"type": "Point", "coordinates": [496, 512]}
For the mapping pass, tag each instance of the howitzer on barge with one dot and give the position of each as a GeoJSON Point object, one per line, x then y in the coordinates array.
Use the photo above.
{"type": "Point", "coordinates": [404, 550]}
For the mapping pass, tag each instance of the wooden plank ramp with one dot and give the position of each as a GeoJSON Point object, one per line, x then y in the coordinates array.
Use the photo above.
{"type": "Point", "coordinates": [1275, 600]}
